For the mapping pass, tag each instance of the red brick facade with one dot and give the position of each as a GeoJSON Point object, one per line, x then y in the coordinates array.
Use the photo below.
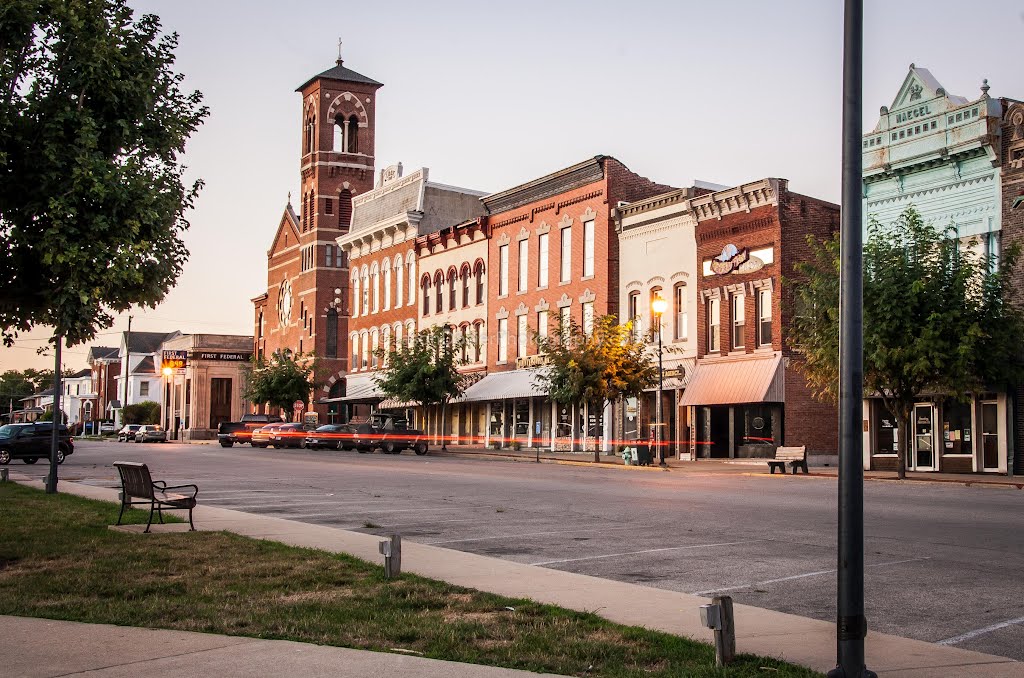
{"type": "Point", "coordinates": [304, 308]}
{"type": "Point", "coordinates": [764, 217]}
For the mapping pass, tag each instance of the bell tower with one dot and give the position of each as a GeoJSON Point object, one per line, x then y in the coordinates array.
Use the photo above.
{"type": "Point", "coordinates": [338, 111]}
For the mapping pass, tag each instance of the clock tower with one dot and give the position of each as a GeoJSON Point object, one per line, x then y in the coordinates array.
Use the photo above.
{"type": "Point", "coordinates": [304, 309]}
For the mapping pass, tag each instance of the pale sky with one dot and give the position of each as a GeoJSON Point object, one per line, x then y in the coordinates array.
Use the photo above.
{"type": "Point", "coordinates": [492, 94]}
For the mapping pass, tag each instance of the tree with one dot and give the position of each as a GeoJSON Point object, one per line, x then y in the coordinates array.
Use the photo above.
{"type": "Point", "coordinates": [282, 379]}
{"type": "Point", "coordinates": [92, 196]}
{"type": "Point", "coordinates": [605, 365]}
{"type": "Point", "coordinates": [146, 412]}
{"type": "Point", "coordinates": [938, 318]}
{"type": "Point", "coordinates": [424, 370]}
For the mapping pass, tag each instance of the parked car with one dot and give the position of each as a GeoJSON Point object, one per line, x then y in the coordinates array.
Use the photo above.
{"type": "Point", "coordinates": [261, 436]}
{"type": "Point", "coordinates": [107, 427]}
{"type": "Point", "coordinates": [128, 432]}
{"type": "Point", "coordinates": [229, 433]}
{"type": "Point", "coordinates": [31, 442]}
{"type": "Point", "coordinates": [388, 432]}
{"type": "Point", "coordinates": [328, 436]}
{"type": "Point", "coordinates": [151, 433]}
{"type": "Point", "coordinates": [289, 435]}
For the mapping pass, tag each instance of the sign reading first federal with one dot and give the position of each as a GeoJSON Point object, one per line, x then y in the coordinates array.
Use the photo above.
{"type": "Point", "coordinates": [221, 355]}
{"type": "Point", "coordinates": [175, 360]}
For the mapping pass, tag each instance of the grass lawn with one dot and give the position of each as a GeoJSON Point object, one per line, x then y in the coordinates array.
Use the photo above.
{"type": "Point", "coordinates": [59, 560]}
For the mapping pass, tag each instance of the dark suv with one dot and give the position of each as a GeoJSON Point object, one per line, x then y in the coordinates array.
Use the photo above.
{"type": "Point", "coordinates": [31, 442]}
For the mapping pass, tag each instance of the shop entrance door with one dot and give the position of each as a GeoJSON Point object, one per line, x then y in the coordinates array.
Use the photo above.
{"type": "Point", "coordinates": [989, 435]}
{"type": "Point", "coordinates": [923, 452]}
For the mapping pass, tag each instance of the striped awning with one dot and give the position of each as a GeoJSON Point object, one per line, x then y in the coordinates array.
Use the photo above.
{"type": "Point", "coordinates": [734, 381]}
{"type": "Point", "coordinates": [504, 385]}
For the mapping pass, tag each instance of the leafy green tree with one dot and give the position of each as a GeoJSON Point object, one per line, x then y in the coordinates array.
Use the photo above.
{"type": "Point", "coordinates": [425, 371]}
{"type": "Point", "coordinates": [282, 379]}
{"type": "Point", "coordinates": [92, 194]}
{"type": "Point", "coordinates": [938, 318]}
{"type": "Point", "coordinates": [146, 412]}
{"type": "Point", "coordinates": [607, 364]}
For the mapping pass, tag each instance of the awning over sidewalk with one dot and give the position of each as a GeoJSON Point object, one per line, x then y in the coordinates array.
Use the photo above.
{"type": "Point", "coordinates": [733, 381]}
{"type": "Point", "coordinates": [358, 388]}
{"type": "Point", "coordinates": [504, 385]}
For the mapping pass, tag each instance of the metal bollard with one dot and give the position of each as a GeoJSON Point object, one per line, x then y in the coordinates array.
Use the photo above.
{"type": "Point", "coordinates": [5, 475]}
{"type": "Point", "coordinates": [718, 616]}
{"type": "Point", "coordinates": [391, 548]}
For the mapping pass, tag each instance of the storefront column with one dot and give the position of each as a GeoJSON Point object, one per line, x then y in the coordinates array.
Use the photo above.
{"type": "Point", "coordinates": [529, 432]}
{"type": "Point", "coordinates": [554, 423]}
{"type": "Point", "coordinates": [732, 432]}
{"type": "Point", "coordinates": [606, 444]}
{"type": "Point", "coordinates": [487, 426]}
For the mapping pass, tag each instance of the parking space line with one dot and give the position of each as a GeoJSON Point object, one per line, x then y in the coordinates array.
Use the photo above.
{"type": "Point", "coordinates": [796, 576]}
{"type": "Point", "coordinates": [532, 534]}
{"type": "Point", "coordinates": [636, 553]}
{"type": "Point", "coordinates": [956, 640]}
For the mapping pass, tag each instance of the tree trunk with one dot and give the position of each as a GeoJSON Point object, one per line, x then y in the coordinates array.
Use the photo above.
{"type": "Point", "coordinates": [444, 418]}
{"type": "Point", "coordinates": [903, 448]}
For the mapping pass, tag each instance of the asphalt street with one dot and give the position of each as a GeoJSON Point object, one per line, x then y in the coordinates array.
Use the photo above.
{"type": "Point", "coordinates": [945, 562]}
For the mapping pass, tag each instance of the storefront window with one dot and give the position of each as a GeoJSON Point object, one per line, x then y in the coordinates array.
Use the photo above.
{"type": "Point", "coordinates": [956, 427]}
{"type": "Point", "coordinates": [497, 423]}
{"type": "Point", "coordinates": [886, 435]}
{"type": "Point", "coordinates": [522, 417]}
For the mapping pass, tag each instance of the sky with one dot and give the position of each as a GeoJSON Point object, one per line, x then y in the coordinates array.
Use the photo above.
{"type": "Point", "coordinates": [489, 95]}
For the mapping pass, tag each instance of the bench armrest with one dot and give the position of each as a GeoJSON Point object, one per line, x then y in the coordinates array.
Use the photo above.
{"type": "Point", "coordinates": [163, 487]}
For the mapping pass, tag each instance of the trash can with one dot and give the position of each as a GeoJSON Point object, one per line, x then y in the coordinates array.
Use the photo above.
{"type": "Point", "coordinates": [643, 453]}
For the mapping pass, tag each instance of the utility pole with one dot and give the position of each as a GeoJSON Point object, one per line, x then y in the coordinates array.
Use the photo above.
{"type": "Point", "coordinates": [58, 418]}
{"type": "Point", "coordinates": [127, 366]}
{"type": "Point", "coordinates": [851, 625]}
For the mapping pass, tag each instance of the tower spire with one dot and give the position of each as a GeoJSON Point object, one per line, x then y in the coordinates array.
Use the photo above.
{"type": "Point", "coordinates": [339, 61]}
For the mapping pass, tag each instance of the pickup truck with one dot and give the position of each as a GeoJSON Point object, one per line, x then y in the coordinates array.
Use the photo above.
{"type": "Point", "coordinates": [388, 432]}
{"type": "Point", "coordinates": [240, 432]}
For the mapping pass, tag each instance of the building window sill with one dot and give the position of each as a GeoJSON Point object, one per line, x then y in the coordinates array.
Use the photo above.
{"type": "Point", "coordinates": [587, 277]}
{"type": "Point", "coordinates": [541, 287]}
{"type": "Point", "coordinates": [503, 296]}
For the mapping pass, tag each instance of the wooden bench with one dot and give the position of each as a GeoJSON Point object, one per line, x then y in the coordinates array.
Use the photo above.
{"type": "Point", "coordinates": [137, 484]}
{"type": "Point", "coordinates": [794, 456]}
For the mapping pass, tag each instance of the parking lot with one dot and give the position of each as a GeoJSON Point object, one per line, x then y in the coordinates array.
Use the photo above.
{"type": "Point", "coordinates": [944, 562]}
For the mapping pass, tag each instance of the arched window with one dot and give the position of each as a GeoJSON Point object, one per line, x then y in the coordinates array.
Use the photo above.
{"type": "Point", "coordinates": [481, 343]}
{"type": "Point", "coordinates": [355, 296]}
{"type": "Point", "coordinates": [375, 287]}
{"type": "Point", "coordinates": [331, 350]}
{"type": "Point", "coordinates": [452, 290]}
{"type": "Point", "coordinates": [339, 135]}
{"type": "Point", "coordinates": [633, 311]}
{"type": "Point", "coordinates": [386, 267]}
{"type": "Point", "coordinates": [425, 293]}
{"type": "Point", "coordinates": [366, 292]}
{"type": "Point", "coordinates": [465, 285]}
{"type": "Point", "coordinates": [398, 336]}
{"type": "Point", "coordinates": [464, 343]}
{"type": "Point", "coordinates": [411, 265]}
{"type": "Point", "coordinates": [681, 311]}
{"type": "Point", "coordinates": [353, 134]}
{"type": "Point", "coordinates": [354, 340]}
{"type": "Point", "coordinates": [410, 331]}
{"type": "Point", "coordinates": [479, 282]}
{"type": "Point", "coordinates": [399, 281]}
{"type": "Point", "coordinates": [374, 348]}
{"type": "Point", "coordinates": [344, 210]}
{"type": "Point", "coordinates": [364, 339]}
{"type": "Point", "coordinates": [439, 292]}
{"type": "Point", "coordinates": [652, 295]}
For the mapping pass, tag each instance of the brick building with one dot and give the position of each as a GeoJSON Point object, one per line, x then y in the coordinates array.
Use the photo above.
{"type": "Point", "coordinates": [952, 159]}
{"type": "Point", "coordinates": [453, 294]}
{"type": "Point", "coordinates": [745, 397]}
{"type": "Point", "coordinates": [385, 279]}
{"type": "Point", "coordinates": [552, 256]}
{"type": "Point", "coordinates": [105, 362]}
{"type": "Point", "coordinates": [303, 309]}
{"type": "Point", "coordinates": [1012, 203]}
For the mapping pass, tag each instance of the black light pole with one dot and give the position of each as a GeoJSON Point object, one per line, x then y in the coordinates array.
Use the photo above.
{"type": "Point", "coordinates": [851, 625]}
{"type": "Point", "coordinates": [58, 419]}
{"type": "Point", "coordinates": [659, 305]}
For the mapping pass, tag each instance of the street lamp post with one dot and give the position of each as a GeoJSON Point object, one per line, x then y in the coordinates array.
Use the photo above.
{"type": "Point", "coordinates": [659, 306]}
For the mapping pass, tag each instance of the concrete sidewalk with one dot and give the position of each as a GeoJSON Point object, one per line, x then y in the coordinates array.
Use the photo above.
{"type": "Point", "coordinates": [808, 642]}
{"type": "Point", "coordinates": [38, 648]}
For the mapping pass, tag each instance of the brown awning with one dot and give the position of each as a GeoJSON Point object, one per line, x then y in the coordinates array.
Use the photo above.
{"type": "Point", "coordinates": [733, 381]}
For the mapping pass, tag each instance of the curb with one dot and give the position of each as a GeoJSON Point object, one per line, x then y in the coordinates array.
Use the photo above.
{"type": "Point", "coordinates": [543, 460]}
{"type": "Point", "coordinates": [936, 481]}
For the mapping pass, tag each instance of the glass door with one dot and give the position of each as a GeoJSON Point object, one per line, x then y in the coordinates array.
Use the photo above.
{"type": "Point", "coordinates": [924, 438]}
{"type": "Point", "coordinates": [989, 436]}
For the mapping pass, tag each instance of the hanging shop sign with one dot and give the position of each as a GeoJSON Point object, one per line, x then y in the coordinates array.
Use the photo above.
{"type": "Point", "coordinates": [174, 360]}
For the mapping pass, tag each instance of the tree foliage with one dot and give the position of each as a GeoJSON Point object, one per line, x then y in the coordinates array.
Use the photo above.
{"type": "Point", "coordinates": [424, 369]}
{"type": "Point", "coordinates": [146, 412]}
{"type": "Point", "coordinates": [92, 196]}
{"type": "Point", "coordinates": [281, 379]}
{"type": "Point", "coordinates": [938, 319]}
{"type": "Point", "coordinates": [604, 365]}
